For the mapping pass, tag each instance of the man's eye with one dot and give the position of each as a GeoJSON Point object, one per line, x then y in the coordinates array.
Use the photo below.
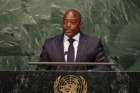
{"type": "Point", "coordinates": [73, 22]}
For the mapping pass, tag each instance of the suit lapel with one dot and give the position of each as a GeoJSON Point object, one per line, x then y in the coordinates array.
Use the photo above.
{"type": "Point", "coordinates": [81, 46]}
{"type": "Point", "coordinates": [60, 48]}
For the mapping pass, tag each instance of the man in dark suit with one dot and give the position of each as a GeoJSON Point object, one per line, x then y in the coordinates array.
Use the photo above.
{"type": "Point", "coordinates": [72, 46]}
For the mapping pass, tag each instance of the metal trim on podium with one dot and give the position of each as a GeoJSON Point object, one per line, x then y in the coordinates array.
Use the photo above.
{"type": "Point", "coordinates": [73, 66]}
{"type": "Point", "coordinates": [71, 63]}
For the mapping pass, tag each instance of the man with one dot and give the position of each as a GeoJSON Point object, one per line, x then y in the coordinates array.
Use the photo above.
{"type": "Point", "coordinates": [72, 46]}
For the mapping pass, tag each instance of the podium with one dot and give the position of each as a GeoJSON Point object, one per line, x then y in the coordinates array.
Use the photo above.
{"type": "Point", "coordinates": [55, 81]}
{"type": "Point", "coordinates": [76, 81]}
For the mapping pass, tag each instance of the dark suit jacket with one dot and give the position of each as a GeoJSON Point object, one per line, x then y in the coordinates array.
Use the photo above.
{"type": "Point", "coordinates": [90, 49]}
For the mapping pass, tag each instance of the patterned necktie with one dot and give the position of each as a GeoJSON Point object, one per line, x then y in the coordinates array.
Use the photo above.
{"type": "Point", "coordinates": [70, 55]}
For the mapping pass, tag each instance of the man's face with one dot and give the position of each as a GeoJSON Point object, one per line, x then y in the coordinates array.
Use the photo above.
{"type": "Point", "coordinates": [71, 24]}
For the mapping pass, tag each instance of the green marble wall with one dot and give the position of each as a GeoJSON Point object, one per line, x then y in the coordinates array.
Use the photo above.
{"type": "Point", "coordinates": [25, 24]}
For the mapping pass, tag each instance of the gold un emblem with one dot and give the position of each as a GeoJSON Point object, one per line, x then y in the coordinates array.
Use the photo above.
{"type": "Point", "coordinates": [70, 84]}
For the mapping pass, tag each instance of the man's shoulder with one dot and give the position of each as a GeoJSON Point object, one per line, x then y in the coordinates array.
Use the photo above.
{"type": "Point", "coordinates": [53, 39]}
{"type": "Point", "coordinates": [92, 41]}
{"type": "Point", "coordinates": [90, 38]}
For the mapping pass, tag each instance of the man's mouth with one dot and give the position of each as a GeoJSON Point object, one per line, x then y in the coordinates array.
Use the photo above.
{"type": "Point", "coordinates": [68, 31]}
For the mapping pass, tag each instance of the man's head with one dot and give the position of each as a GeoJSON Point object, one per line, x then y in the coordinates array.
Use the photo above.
{"type": "Point", "coordinates": [71, 22]}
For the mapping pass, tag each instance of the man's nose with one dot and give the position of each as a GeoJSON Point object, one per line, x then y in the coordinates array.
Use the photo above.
{"type": "Point", "coordinates": [68, 24]}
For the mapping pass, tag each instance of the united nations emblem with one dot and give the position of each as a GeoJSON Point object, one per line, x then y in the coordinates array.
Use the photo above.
{"type": "Point", "coordinates": [70, 84]}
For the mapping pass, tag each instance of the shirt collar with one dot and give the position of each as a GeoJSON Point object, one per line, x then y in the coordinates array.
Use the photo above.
{"type": "Point", "coordinates": [76, 37]}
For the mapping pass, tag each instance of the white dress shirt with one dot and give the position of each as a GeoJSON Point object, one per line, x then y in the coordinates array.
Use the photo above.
{"type": "Point", "coordinates": [75, 44]}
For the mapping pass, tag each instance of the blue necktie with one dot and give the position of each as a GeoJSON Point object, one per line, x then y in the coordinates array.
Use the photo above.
{"type": "Point", "coordinates": [70, 55]}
